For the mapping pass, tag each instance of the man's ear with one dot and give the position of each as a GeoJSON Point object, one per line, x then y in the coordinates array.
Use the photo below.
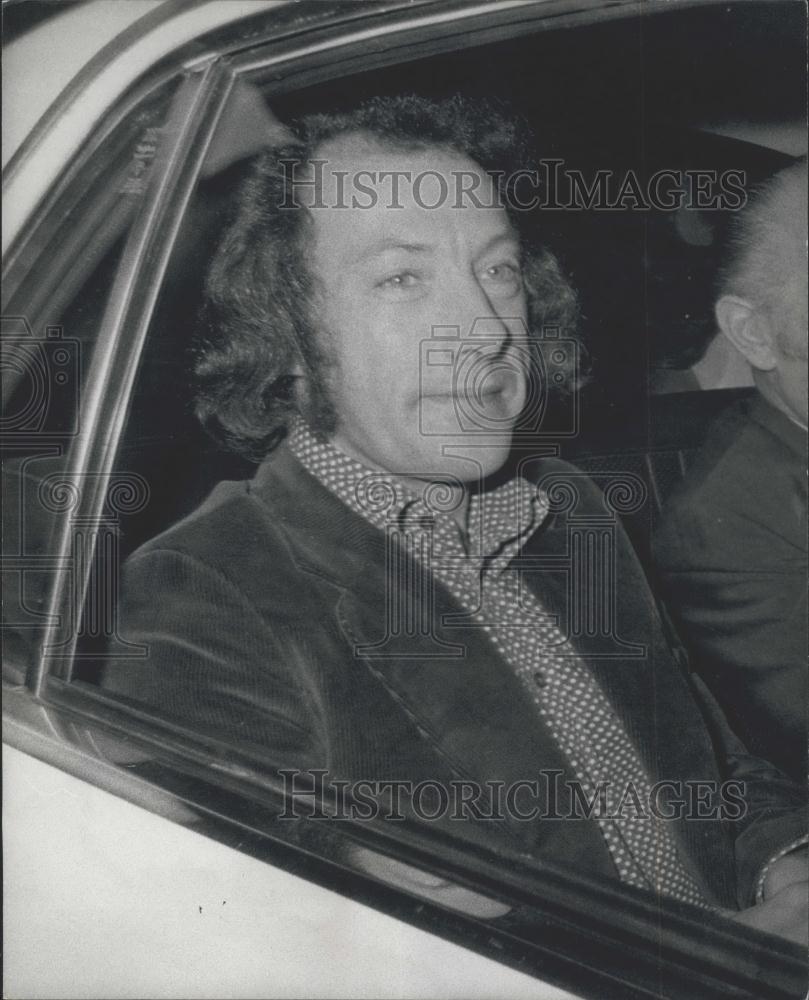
{"type": "Point", "coordinates": [747, 329]}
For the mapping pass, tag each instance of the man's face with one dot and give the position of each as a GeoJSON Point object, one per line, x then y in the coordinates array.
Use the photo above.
{"type": "Point", "coordinates": [387, 277]}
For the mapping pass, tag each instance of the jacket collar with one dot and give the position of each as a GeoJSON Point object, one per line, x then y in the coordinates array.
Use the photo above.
{"type": "Point", "coordinates": [779, 425]}
{"type": "Point", "coordinates": [497, 521]}
{"type": "Point", "coordinates": [302, 507]}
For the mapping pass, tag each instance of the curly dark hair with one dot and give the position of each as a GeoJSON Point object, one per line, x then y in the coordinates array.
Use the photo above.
{"type": "Point", "coordinates": [257, 326]}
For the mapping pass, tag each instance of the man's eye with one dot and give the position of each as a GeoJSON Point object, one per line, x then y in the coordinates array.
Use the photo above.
{"type": "Point", "coordinates": [505, 272]}
{"type": "Point", "coordinates": [403, 279]}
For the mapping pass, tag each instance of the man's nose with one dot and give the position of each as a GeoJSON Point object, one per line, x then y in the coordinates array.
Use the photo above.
{"type": "Point", "coordinates": [479, 318]}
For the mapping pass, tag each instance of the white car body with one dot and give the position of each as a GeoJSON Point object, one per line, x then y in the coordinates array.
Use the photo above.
{"type": "Point", "coordinates": [107, 893]}
{"type": "Point", "coordinates": [106, 899]}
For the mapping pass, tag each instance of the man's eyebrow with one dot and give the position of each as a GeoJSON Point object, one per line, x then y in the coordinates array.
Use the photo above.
{"type": "Point", "coordinates": [507, 236]}
{"type": "Point", "coordinates": [392, 243]}
{"type": "Point", "coordinates": [397, 243]}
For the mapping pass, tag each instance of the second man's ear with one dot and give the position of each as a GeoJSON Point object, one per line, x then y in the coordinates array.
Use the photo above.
{"type": "Point", "coordinates": [747, 329]}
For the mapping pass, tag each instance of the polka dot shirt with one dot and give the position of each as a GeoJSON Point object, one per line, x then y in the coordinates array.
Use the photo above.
{"type": "Point", "coordinates": [475, 569]}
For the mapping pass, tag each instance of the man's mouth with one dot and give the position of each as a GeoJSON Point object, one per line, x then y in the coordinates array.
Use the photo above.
{"type": "Point", "coordinates": [487, 388]}
{"type": "Point", "coordinates": [493, 387]}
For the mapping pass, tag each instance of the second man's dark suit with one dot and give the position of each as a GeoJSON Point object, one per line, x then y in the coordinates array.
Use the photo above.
{"type": "Point", "coordinates": [731, 554]}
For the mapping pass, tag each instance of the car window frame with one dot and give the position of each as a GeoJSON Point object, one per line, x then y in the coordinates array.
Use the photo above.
{"type": "Point", "coordinates": [599, 910]}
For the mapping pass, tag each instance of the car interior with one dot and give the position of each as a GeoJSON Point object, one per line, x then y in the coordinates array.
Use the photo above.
{"type": "Point", "coordinates": [645, 277]}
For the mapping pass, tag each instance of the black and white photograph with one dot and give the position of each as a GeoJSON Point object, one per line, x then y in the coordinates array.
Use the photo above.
{"type": "Point", "coordinates": [404, 441]}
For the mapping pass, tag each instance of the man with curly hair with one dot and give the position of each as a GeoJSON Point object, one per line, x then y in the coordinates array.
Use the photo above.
{"type": "Point", "coordinates": [388, 600]}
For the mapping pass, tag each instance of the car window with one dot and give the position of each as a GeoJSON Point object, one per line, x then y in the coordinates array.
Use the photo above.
{"type": "Point", "coordinates": [56, 316]}
{"type": "Point", "coordinates": [645, 277]}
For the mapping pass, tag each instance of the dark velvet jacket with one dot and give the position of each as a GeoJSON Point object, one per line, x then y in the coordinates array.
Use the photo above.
{"type": "Point", "coordinates": [263, 612]}
{"type": "Point", "coordinates": [731, 553]}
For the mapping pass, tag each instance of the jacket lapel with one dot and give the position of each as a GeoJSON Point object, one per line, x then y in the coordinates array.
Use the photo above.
{"type": "Point", "coordinates": [461, 695]}
{"type": "Point", "coordinates": [442, 670]}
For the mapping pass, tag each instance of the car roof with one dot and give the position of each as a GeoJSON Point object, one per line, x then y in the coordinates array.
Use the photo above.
{"type": "Point", "coordinates": [83, 31]}
{"type": "Point", "coordinates": [51, 114]}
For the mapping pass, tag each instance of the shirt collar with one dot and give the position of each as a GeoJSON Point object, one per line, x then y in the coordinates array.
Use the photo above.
{"type": "Point", "coordinates": [499, 521]}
